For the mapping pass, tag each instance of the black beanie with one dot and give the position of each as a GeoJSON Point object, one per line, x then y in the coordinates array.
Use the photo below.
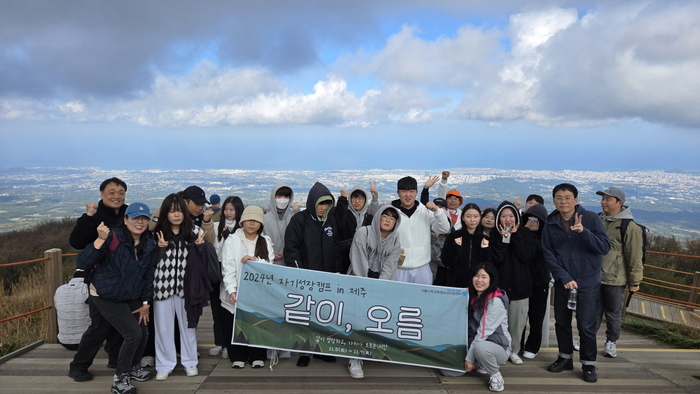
{"type": "Point", "coordinates": [407, 183]}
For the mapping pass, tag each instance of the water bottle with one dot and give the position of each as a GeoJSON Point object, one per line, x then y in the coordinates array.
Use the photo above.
{"type": "Point", "coordinates": [571, 304]}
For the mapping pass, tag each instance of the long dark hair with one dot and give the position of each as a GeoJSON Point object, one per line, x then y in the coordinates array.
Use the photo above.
{"type": "Point", "coordinates": [479, 301]}
{"type": "Point", "coordinates": [175, 202]}
{"type": "Point", "coordinates": [479, 229]}
{"type": "Point", "coordinates": [261, 245]}
{"type": "Point", "coordinates": [238, 206]}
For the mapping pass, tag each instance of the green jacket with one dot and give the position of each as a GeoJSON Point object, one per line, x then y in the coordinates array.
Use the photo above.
{"type": "Point", "coordinates": [623, 264]}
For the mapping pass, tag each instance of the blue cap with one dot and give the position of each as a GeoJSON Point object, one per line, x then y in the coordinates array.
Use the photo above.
{"type": "Point", "coordinates": [214, 199]}
{"type": "Point", "coordinates": [137, 209]}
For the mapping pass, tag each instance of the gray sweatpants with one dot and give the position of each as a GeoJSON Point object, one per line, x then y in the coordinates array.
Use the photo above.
{"type": "Point", "coordinates": [517, 320]}
{"type": "Point", "coordinates": [490, 355]}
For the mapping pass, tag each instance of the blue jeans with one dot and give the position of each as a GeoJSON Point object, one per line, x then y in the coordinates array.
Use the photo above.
{"type": "Point", "coordinates": [120, 316]}
{"type": "Point", "coordinates": [586, 320]}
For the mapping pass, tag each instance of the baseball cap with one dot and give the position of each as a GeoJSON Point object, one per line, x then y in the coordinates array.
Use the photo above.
{"type": "Point", "coordinates": [614, 192]}
{"type": "Point", "coordinates": [136, 209]}
{"type": "Point", "coordinates": [196, 194]}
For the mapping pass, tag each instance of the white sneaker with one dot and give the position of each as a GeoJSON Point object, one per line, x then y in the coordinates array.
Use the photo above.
{"type": "Point", "coordinates": [258, 364]}
{"type": "Point", "coordinates": [610, 349]}
{"type": "Point", "coordinates": [224, 353]}
{"type": "Point", "coordinates": [192, 371]}
{"type": "Point", "coordinates": [148, 361]}
{"type": "Point", "coordinates": [215, 351]}
{"type": "Point", "coordinates": [496, 382]}
{"type": "Point", "coordinates": [481, 370]}
{"type": "Point", "coordinates": [529, 355]}
{"type": "Point", "coordinates": [355, 368]}
{"type": "Point", "coordinates": [238, 364]}
{"type": "Point", "coordinates": [577, 345]}
{"type": "Point", "coordinates": [162, 375]}
{"type": "Point", "coordinates": [515, 359]}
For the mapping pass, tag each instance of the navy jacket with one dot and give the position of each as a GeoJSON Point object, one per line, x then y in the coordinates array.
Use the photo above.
{"type": "Point", "coordinates": [121, 278]}
{"type": "Point", "coordinates": [572, 255]}
{"type": "Point", "coordinates": [85, 230]}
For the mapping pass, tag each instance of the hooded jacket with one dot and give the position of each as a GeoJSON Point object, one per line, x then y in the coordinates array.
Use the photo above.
{"type": "Point", "coordinates": [513, 259]}
{"type": "Point", "coordinates": [623, 264]}
{"type": "Point", "coordinates": [369, 252]}
{"type": "Point", "coordinates": [85, 230]}
{"type": "Point", "coordinates": [539, 268]}
{"type": "Point", "coordinates": [459, 259]}
{"type": "Point", "coordinates": [121, 277]}
{"type": "Point", "coordinates": [489, 324]}
{"type": "Point", "coordinates": [349, 220]}
{"type": "Point", "coordinates": [312, 242]}
{"type": "Point", "coordinates": [275, 225]}
{"type": "Point", "coordinates": [572, 255]}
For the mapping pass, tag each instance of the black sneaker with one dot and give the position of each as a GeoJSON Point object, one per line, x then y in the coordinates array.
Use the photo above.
{"type": "Point", "coordinates": [562, 364]}
{"type": "Point", "coordinates": [122, 384]}
{"type": "Point", "coordinates": [139, 374]}
{"type": "Point", "coordinates": [589, 374]}
{"type": "Point", "coordinates": [79, 376]}
{"type": "Point", "coordinates": [303, 361]}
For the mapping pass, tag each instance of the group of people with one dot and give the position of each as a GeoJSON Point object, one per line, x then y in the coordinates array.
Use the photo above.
{"type": "Point", "coordinates": [151, 274]}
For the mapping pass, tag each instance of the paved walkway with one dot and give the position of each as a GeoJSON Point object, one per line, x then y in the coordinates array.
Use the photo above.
{"type": "Point", "coordinates": [643, 366]}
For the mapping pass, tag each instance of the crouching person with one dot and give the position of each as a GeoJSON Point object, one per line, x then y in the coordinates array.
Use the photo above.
{"type": "Point", "coordinates": [489, 340]}
{"type": "Point", "coordinates": [375, 253]}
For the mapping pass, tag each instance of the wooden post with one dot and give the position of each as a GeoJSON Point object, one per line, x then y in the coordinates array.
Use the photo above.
{"type": "Point", "coordinates": [54, 279]}
{"type": "Point", "coordinates": [694, 292]}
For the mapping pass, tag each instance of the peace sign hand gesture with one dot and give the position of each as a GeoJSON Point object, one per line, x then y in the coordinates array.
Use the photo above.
{"type": "Point", "coordinates": [578, 227]}
{"type": "Point", "coordinates": [200, 238]}
{"type": "Point", "coordinates": [161, 239]}
{"type": "Point", "coordinates": [373, 189]}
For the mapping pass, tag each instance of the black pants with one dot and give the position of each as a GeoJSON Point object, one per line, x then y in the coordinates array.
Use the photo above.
{"type": "Point", "coordinates": [535, 316]}
{"type": "Point", "coordinates": [238, 352]}
{"type": "Point", "coordinates": [91, 341]}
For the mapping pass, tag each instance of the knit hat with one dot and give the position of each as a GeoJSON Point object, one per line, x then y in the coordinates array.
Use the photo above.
{"type": "Point", "coordinates": [253, 213]}
{"type": "Point", "coordinates": [214, 199]}
{"type": "Point", "coordinates": [456, 194]}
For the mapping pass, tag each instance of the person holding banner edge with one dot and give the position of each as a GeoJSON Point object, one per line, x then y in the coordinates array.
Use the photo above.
{"type": "Point", "coordinates": [375, 253]}
{"type": "Point", "coordinates": [246, 244]}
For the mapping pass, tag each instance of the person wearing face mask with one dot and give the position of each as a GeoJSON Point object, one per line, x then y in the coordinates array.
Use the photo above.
{"type": "Point", "coordinates": [513, 250]}
{"type": "Point", "coordinates": [279, 213]}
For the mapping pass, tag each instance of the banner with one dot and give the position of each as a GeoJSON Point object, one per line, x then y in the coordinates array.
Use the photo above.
{"type": "Point", "coordinates": [348, 316]}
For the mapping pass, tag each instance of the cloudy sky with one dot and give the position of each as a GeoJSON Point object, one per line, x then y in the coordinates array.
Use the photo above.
{"type": "Point", "coordinates": [282, 84]}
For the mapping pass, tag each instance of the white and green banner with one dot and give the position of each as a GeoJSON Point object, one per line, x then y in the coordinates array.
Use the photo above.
{"type": "Point", "coordinates": [348, 316]}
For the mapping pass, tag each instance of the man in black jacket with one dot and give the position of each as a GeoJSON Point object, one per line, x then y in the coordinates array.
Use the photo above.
{"type": "Point", "coordinates": [110, 210]}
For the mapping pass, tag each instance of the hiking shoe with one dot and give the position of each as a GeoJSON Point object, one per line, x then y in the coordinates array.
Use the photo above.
{"type": "Point", "coordinates": [79, 376]}
{"type": "Point", "coordinates": [515, 359]}
{"type": "Point", "coordinates": [257, 364]}
{"type": "Point", "coordinates": [562, 364]}
{"type": "Point", "coordinates": [496, 382]}
{"type": "Point", "coordinates": [162, 375]}
{"type": "Point", "coordinates": [224, 353]}
{"type": "Point", "coordinates": [610, 349]}
{"type": "Point", "coordinates": [139, 374]}
{"type": "Point", "coordinates": [355, 368]}
{"type": "Point", "coordinates": [215, 351]}
{"type": "Point", "coordinates": [122, 384]}
{"type": "Point", "coordinates": [191, 371]}
{"type": "Point", "coordinates": [238, 364]}
{"type": "Point", "coordinates": [577, 345]}
{"type": "Point", "coordinates": [148, 361]}
{"type": "Point", "coordinates": [589, 374]}
{"type": "Point", "coordinates": [303, 361]}
{"type": "Point", "coordinates": [529, 355]}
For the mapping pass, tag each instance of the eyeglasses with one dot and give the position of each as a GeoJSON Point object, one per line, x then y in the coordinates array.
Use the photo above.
{"type": "Point", "coordinates": [389, 217]}
{"type": "Point", "coordinates": [567, 198]}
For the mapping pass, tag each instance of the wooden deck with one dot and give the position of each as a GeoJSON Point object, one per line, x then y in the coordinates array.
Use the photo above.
{"type": "Point", "coordinates": [665, 312]}
{"type": "Point", "coordinates": [642, 366]}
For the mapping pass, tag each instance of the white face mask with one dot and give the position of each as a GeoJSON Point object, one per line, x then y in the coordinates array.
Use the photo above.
{"type": "Point", "coordinates": [281, 203]}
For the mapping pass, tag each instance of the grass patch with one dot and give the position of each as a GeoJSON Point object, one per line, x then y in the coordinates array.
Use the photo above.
{"type": "Point", "coordinates": [676, 335]}
{"type": "Point", "coordinates": [25, 295]}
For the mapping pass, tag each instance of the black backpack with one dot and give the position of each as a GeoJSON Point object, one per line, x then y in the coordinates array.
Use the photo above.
{"type": "Point", "coordinates": [645, 237]}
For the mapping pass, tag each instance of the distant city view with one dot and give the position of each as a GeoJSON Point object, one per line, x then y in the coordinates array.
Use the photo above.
{"type": "Point", "coordinates": [666, 202]}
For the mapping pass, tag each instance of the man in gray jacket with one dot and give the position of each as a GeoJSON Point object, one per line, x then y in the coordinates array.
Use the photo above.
{"type": "Point", "coordinates": [622, 266]}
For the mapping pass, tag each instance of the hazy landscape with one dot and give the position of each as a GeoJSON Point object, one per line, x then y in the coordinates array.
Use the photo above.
{"type": "Point", "coordinates": [667, 202]}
